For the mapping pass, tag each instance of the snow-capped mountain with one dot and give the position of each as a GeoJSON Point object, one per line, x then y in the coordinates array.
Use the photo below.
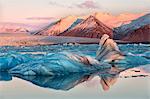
{"type": "Point", "coordinates": [75, 23]}
{"type": "Point", "coordinates": [135, 24]}
{"type": "Point", "coordinates": [31, 24]}
{"type": "Point", "coordinates": [13, 28]}
{"type": "Point", "coordinates": [59, 26]}
{"type": "Point", "coordinates": [113, 21]}
{"type": "Point", "coordinates": [69, 22]}
{"type": "Point", "coordinates": [91, 28]}
{"type": "Point", "coordinates": [141, 34]}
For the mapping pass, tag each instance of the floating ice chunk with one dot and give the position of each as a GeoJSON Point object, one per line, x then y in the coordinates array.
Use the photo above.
{"type": "Point", "coordinates": [10, 60]}
{"type": "Point", "coordinates": [58, 64]}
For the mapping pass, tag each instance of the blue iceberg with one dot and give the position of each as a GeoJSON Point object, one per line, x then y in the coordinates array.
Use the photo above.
{"type": "Point", "coordinates": [62, 63]}
{"type": "Point", "coordinates": [10, 60]}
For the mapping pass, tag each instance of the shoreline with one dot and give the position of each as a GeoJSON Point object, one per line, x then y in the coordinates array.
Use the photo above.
{"type": "Point", "coordinates": [24, 39]}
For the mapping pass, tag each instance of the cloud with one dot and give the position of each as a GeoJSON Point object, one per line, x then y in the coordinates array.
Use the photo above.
{"type": "Point", "coordinates": [89, 4]}
{"type": "Point", "coordinates": [52, 3]}
{"type": "Point", "coordinates": [40, 18]}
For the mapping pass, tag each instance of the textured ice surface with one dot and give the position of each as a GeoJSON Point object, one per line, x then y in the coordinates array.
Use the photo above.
{"type": "Point", "coordinates": [55, 59]}
{"type": "Point", "coordinates": [61, 63]}
{"type": "Point", "coordinates": [10, 60]}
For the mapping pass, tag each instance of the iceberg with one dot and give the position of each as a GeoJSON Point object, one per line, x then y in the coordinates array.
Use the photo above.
{"type": "Point", "coordinates": [61, 63]}
{"type": "Point", "coordinates": [65, 63]}
{"type": "Point", "coordinates": [10, 60]}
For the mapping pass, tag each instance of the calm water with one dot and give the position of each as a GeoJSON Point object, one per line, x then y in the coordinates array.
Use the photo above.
{"type": "Point", "coordinates": [98, 85]}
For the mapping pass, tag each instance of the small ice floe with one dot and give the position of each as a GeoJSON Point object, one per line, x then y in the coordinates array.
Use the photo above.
{"type": "Point", "coordinates": [10, 60]}
{"type": "Point", "coordinates": [71, 43]}
{"type": "Point", "coordinates": [142, 71]}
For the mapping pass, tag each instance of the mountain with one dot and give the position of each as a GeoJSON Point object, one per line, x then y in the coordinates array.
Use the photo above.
{"type": "Point", "coordinates": [75, 23]}
{"type": "Point", "coordinates": [16, 30]}
{"type": "Point", "coordinates": [141, 34]}
{"type": "Point", "coordinates": [13, 28]}
{"type": "Point", "coordinates": [69, 22]}
{"type": "Point", "coordinates": [90, 27]}
{"type": "Point", "coordinates": [58, 27]}
{"type": "Point", "coordinates": [123, 30]}
{"type": "Point", "coordinates": [114, 21]}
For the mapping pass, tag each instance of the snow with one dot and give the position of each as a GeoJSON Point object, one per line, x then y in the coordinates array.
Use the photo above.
{"type": "Point", "coordinates": [30, 24]}
{"type": "Point", "coordinates": [69, 22]}
{"type": "Point", "coordinates": [88, 23]}
{"type": "Point", "coordinates": [35, 24]}
{"type": "Point", "coordinates": [75, 23]}
{"type": "Point", "coordinates": [59, 26]}
{"type": "Point", "coordinates": [135, 24]}
{"type": "Point", "coordinates": [114, 21]}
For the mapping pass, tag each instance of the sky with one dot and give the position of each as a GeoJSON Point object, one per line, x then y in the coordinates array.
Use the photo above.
{"type": "Point", "coordinates": [44, 9]}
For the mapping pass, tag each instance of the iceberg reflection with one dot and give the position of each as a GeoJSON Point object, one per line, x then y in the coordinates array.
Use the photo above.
{"type": "Point", "coordinates": [107, 77]}
{"type": "Point", "coordinates": [5, 76]}
{"type": "Point", "coordinates": [65, 82]}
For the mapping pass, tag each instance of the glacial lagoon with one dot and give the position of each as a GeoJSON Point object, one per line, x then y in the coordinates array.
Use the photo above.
{"type": "Point", "coordinates": [97, 85]}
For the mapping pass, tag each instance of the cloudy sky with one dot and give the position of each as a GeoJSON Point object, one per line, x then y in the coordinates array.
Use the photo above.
{"type": "Point", "coordinates": [13, 9]}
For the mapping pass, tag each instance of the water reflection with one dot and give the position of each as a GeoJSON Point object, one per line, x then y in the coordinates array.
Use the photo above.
{"type": "Point", "coordinates": [107, 79]}
{"type": "Point", "coordinates": [5, 76]}
{"type": "Point", "coordinates": [57, 82]}
{"type": "Point", "coordinates": [70, 81]}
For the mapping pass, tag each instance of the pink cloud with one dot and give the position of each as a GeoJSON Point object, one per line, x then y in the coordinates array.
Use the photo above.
{"type": "Point", "coordinates": [40, 18]}
{"type": "Point", "coordinates": [89, 4]}
{"type": "Point", "coordinates": [56, 4]}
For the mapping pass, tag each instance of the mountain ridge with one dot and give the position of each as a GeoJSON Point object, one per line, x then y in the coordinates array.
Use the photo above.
{"type": "Point", "coordinates": [91, 27]}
